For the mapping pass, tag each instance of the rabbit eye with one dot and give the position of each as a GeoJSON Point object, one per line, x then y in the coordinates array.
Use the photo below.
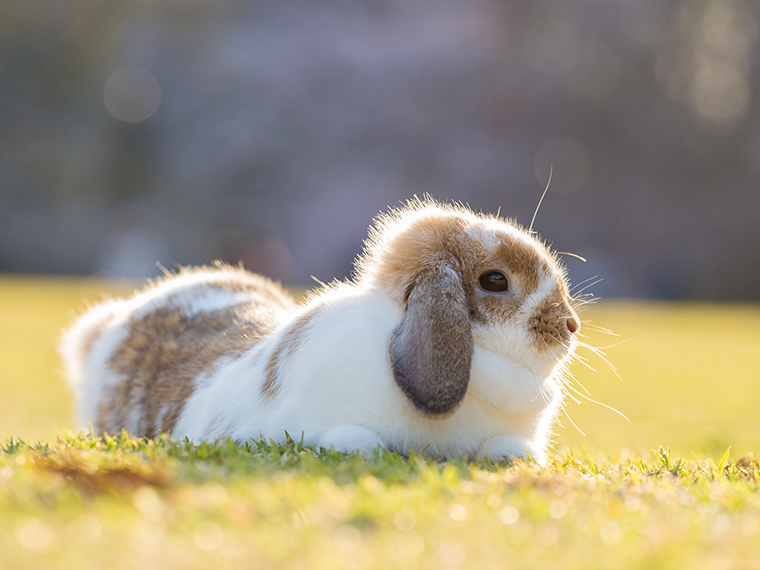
{"type": "Point", "coordinates": [493, 281]}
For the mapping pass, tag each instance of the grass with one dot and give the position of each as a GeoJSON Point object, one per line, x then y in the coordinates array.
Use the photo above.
{"type": "Point", "coordinates": [663, 491]}
{"type": "Point", "coordinates": [130, 503]}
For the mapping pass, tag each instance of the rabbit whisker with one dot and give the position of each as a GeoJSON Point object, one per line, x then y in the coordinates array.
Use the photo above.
{"type": "Point", "coordinates": [551, 171]}
{"type": "Point", "coordinates": [590, 285]}
{"type": "Point", "coordinates": [541, 387]}
{"type": "Point", "coordinates": [565, 383]}
{"type": "Point", "coordinates": [616, 344]}
{"type": "Point", "coordinates": [618, 412]}
{"type": "Point", "coordinates": [583, 259]}
{"type": "Point", "coordinates": [580, 303]}
{"type": "Point", "coordinates": [582, 282]}
{"type": "Point", "coordinates": [566, 379]}
{"type": "Point", "coordinates": [567, 415]}
{"type": "Point", "coordinates": [572, 387]}
{"type": "Point", "coordinates": [579, 383]}
{"type": "Point", "coordinates": [596, 328]}
{"type": "Point", "coordinates": [602, 356]}
{"type": "Point", "coordinates": [544, 395]}
{"type": "Point", "coordinates": [566, 346]}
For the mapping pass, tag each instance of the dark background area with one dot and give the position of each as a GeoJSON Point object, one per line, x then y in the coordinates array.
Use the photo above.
{"type": "Point", "coordinates": [272, 132]}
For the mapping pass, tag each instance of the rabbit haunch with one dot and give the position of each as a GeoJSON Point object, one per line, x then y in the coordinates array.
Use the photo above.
{"type": "Point", "coordinates": [411, 354]}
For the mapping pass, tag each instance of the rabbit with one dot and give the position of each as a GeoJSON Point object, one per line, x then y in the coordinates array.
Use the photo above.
{"type": "Point", "coordinates": [451, 339]}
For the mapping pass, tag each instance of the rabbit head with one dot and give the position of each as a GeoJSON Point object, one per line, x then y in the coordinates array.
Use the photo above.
{"type": "Point", "coordinates": [466, 282]}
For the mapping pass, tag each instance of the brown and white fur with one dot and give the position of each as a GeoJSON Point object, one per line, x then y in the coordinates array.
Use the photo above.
{"type": "Point", "coordinates": [411, 354]}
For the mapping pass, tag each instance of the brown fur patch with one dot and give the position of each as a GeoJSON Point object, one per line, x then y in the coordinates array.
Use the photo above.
{"type": "Point", "coordinates": [423, 244]}
{"type": "Point", "coordinates": [460, 241]}
{"type": "Point", "coordinates": [521, 260]}
{"type": "Point", "coordinates": [289, 342]}
{"type": "Point", "coordinates": [159, 360]}
{"type": "Point", "coordinates": [410, 241]}
{"type": "Point", "coordinates": [521, 264]}
{"type": "Point", "coordinates": [166, 350]}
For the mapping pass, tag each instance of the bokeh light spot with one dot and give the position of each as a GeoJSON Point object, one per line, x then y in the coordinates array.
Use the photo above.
{"type": "Point", "coordinates": [34, 534]}
{"type": "Point", "coordinates": [132, 94]}
{"type": "Point", "coordinates": [458, 512]}
{"type": "Point", "coordinates": [348, 538]}
{"type": "Point", "coordinates": [707, 65]}
{"type": "Point", "coordinates": [557, 510]}
{"type": "Point", "coordinates": [569, 162]}
{"type": "Point", "coordinates": [404, 520]}
{"type": "Point", "coordinates": [720, 94]}
{"type": "Point", "coordinates": [509, 515]}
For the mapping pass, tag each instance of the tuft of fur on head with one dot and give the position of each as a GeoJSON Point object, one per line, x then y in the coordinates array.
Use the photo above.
{"type": "Point", "coordinates": [422, 229]}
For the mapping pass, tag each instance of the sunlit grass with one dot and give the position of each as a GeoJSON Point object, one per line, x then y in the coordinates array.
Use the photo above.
{"type": "Point", "coordinates": [130, 503]}
{"type": "Point", "coordinates": [660, 491]}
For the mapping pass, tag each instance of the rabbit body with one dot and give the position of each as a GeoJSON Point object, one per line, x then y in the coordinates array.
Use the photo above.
{"type": "Point", "coordinates": [413, 354]}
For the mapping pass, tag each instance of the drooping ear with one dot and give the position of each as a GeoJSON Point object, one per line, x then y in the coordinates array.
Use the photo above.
{"type": "Point", "coordinates": [431, 348]}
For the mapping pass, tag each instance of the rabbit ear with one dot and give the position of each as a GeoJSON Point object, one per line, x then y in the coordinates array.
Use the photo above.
{"type": "Point", "coordinates": [431, 348]}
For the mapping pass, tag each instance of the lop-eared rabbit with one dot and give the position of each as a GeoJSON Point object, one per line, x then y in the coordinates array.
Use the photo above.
{"type": "Point", "coordinates": [451, 339]}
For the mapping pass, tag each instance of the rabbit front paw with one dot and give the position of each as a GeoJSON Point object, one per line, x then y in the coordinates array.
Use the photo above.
{"type": "Point", "coordinates": [351, 439]}
{"type": "Point", "coordinates": [508, 447]}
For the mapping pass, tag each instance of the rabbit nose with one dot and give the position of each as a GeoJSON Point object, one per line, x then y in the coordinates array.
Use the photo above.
{"type": "Point", "coordinates": [573, 324]}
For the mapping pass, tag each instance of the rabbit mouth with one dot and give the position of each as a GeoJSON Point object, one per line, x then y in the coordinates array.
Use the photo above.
{"type": "Point", "coordinates": [552, 333]}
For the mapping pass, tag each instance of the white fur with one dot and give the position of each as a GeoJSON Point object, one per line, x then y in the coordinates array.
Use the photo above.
{"type": "Point", "coordinates": [503, 397]}
{"type": "Point", "coordinates": [337, 388]}
{"type": "Point", "coordinates": [89, 377]}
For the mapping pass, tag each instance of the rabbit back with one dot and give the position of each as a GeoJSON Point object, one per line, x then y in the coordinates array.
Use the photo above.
{"type": "Point", "coordinates": [137, 362]}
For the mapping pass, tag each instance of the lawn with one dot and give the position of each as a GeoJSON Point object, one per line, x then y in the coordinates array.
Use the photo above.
{"type": "Point", "coordinates": [658, 491]}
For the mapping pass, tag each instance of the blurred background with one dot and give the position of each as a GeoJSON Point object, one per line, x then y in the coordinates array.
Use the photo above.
{"type": "Point", "coordinates": [272, 132]}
